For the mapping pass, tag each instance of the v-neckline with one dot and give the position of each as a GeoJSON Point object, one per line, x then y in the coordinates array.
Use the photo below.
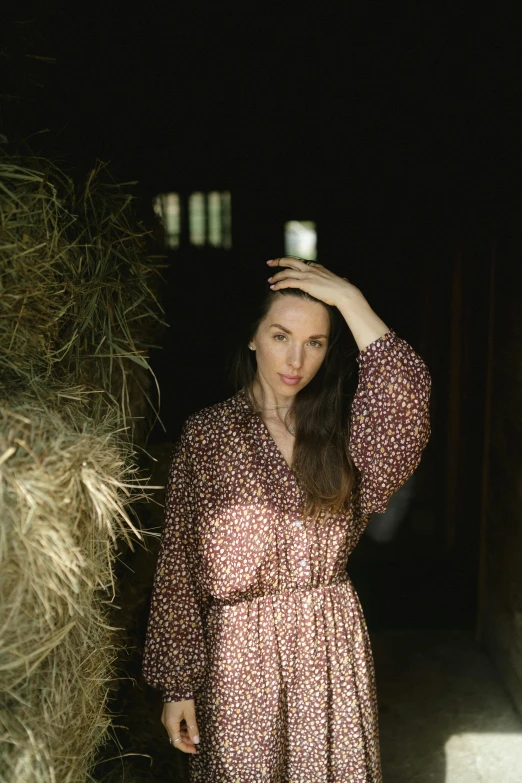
{"type": "Point", "coordinates": [274, 443]}
{"type": "Point", "coordinates": [256, 416]}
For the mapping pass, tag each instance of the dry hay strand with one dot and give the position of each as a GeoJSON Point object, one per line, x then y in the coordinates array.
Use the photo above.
{"type": "Point", "coordinates": [66, 482]}
{"type": "Point", "coordinates": [77, 288]}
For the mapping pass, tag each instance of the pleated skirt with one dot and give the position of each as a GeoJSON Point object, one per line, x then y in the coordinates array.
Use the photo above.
{"type": "Point", "coordinates": [290, 693]}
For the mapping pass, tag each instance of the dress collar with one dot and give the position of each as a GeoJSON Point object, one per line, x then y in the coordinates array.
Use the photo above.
{"type": "Point", "coordinates": [241, 403]}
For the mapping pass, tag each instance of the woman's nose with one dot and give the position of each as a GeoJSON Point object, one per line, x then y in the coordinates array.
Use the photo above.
{"type": "Point", "coordinates": [295, 356]}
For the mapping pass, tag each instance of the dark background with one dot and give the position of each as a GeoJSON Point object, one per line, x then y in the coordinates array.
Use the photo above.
{"type": "Point", "coordinates": [396, 129]}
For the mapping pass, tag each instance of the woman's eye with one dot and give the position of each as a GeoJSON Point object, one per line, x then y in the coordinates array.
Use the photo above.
{"type": "Point", "coordinates": [315, 343]}
{"type": "Point", "coordinates": [279, 337]}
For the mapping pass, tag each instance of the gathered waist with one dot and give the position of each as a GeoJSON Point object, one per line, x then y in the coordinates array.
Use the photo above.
{"type": "Point", "coordinates": [247, 597]}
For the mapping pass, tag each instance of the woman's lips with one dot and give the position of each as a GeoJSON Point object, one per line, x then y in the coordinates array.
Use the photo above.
{"type": "Point", "coordinates": [290, 380]}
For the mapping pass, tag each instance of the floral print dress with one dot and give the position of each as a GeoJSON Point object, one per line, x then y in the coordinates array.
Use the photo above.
{"type": "Point", "coordinates": [253, 614]}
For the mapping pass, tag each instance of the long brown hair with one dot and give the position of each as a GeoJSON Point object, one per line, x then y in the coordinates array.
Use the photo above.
{"type": "Point", "coordinates": [322, 460]}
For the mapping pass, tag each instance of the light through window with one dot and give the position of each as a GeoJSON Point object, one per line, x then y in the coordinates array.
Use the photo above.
{"type": "Point", "coordinates": [301, 239]}
{"type": "Point", "coordinates": [214, 219]}
{"type": "Point", "coordinates": [209, 218]}
{"type": "Point", "coordinates": [168, 208]}
{"type": "Point", "coordinates": [211, 215]}
{"type": "Point", "coordinates": [197, 219]}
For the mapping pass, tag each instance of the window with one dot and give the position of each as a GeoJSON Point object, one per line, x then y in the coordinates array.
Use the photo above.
{"type": "Point", "coordinates": [301, 239]}
{"type": "Point", "coordinates": [215, 227]}
{"type": "Point", "coordinates": [197, 228]}
{"type": "Point", "coordinates": [226, 219]}
{"type": "Point", "coordinates": [209, 218]}
{"type": "Point", "coordinates": [217, 209]}
{"type": "Point", "coordinates": [168, 208]}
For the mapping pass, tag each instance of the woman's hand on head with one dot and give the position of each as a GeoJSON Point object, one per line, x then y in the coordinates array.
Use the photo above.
{"type": "Point", "coordinates": [179, 718]}
{"type": "Point", "coordinates": [313, 278]}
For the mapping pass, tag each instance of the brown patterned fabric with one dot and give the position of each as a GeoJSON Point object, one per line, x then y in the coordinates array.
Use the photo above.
{"type": "Point", "coordinates": [253, 613]}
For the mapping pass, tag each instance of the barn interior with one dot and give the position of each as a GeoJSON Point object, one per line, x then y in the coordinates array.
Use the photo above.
{"type": "Point", "coordinates": [384, 143]}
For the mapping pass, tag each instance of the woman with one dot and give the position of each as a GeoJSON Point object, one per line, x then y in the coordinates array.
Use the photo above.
{"type": "Point", "coordinates": [256, 636]}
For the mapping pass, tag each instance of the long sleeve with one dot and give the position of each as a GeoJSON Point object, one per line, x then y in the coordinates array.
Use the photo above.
{"type": "Point", "coordinates": [174, 658]}
{"type": "Point", "coordinates": [390, 423]}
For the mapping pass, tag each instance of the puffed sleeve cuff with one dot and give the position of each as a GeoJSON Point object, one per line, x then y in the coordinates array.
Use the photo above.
{"type": "Point", "coordinates": [390, 423]}
{"type": "Point", "coordinates": [169, 695]}
{"type": "Point", "coordinates": [377, 347]}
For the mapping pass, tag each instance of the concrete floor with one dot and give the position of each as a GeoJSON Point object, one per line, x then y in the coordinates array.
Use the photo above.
{"type": "Point", "coordinates": [444, 715]}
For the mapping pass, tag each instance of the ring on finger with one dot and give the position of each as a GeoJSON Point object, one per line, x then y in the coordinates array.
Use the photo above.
{"type": "Point", "coordinates": [176, 740]}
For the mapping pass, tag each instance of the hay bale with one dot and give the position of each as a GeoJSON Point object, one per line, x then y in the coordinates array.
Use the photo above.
{"type": "Point", "coordinates": [77, 316]}
{"type": "Point", "coordinates": [65, 488]}
{"type": "Point", "coordinates": [77, 300]}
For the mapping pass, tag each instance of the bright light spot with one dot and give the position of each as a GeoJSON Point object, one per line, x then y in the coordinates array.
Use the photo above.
{"type": "Point", "coordinates": [156, 206]}
{"type": "Point", "coordinates": [214, 219]}
{"type": "Point", "coordinates": [209, 218]}
{"type": "Point", "coordinates": [495, 756]}
{"type": "Point", "coordinates": [197, 219]}
{"type": "Point", "coordinates": [301, 239]}
{"type": "Point", "coordinates": [168, 208]}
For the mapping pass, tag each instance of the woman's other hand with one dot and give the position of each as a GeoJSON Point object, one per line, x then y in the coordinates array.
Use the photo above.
{"type": "Point", "coordinates": [179, 718]}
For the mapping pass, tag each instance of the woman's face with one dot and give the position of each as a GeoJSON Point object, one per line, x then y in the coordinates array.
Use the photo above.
{"type": "Point", "coordinates": [291, 343]}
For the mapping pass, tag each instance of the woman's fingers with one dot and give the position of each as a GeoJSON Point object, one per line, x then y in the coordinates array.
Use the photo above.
{"type": "Point", "coordinates": [284, 278]}
{"type": "Point", "coordinates": [192, 726]}
{"type": "Point", "coordinates": [290, 261]}
{"type": "Point", "coordinates": [288, 273]}
{"type": "Point", "coordinates": [314, 279]}
{"type": "Point", "coordinates": [288, 282]}
{"type": "Point", "coordinates": [179, 718]}
{"type": "Point", "coordinates": [296, 268]}
{"type": "Point", "coordinates": [173, 727]}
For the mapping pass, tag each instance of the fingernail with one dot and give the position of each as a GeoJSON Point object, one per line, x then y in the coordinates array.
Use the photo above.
{"type": "Point", "coordinates": [269, 279]}
{"type": "Point", "coordinates": [195, 738]}
{"type": "Point", "coordinates": [269, 262]}
{"type": "Point", "coordinates": [272, 286]}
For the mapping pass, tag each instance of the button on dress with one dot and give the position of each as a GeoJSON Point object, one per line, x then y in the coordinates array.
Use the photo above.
{"type": "Point", "coordinates": [253, 614]}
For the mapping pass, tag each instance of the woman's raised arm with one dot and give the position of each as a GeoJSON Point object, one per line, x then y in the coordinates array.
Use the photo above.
{"type": "Point", "coordinates": [390, 422]}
